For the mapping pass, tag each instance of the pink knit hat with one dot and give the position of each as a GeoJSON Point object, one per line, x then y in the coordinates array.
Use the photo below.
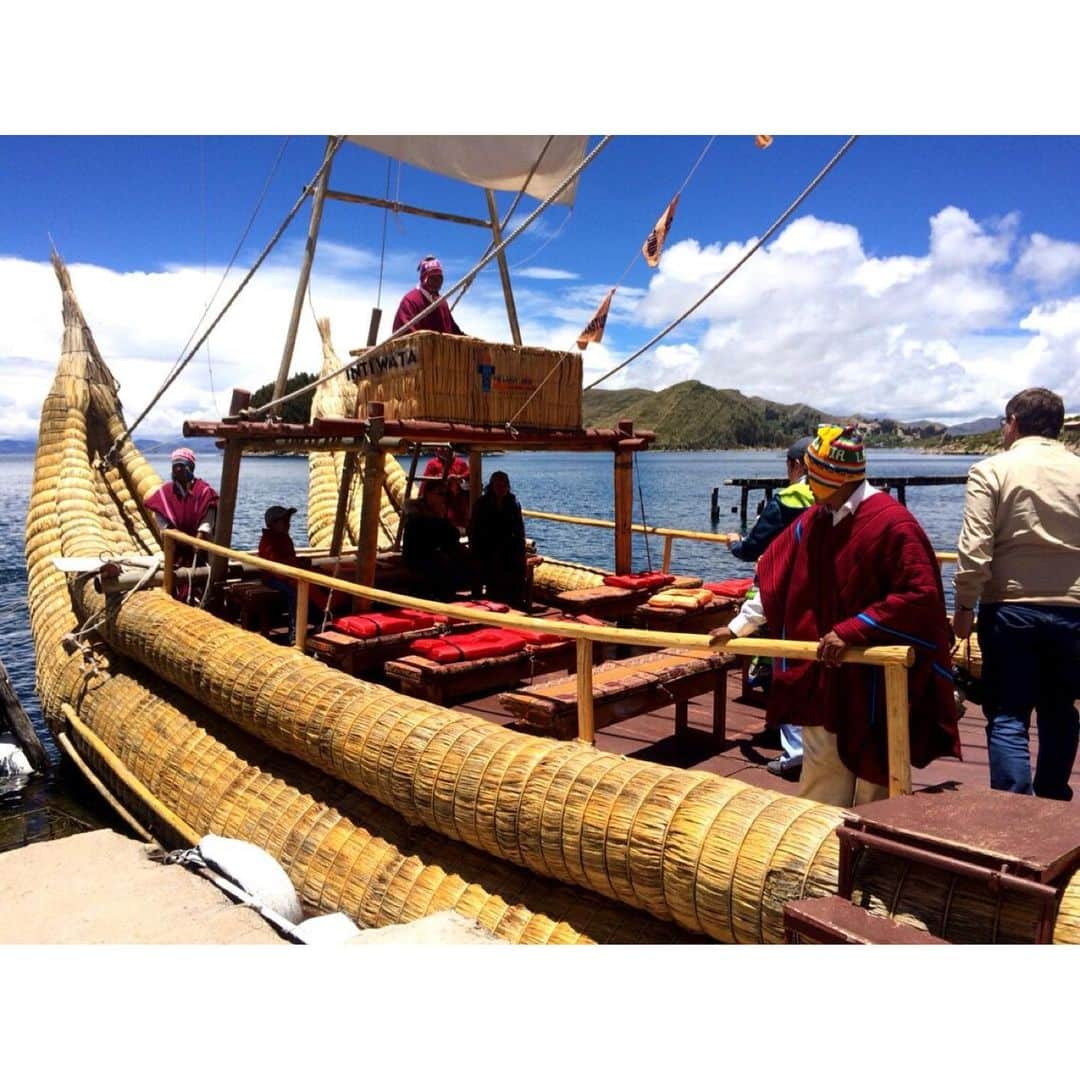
{"type": "Point", "coordinates": [183, 456]}
{"type": "Point", "coordinates": [429, 265]}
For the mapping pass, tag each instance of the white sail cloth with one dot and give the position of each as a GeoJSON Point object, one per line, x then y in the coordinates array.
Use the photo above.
{"type": "Point", "coordinates": [499, 162]}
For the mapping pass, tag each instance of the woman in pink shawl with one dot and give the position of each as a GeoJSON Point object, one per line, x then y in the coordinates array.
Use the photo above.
{"type": "Point", "coordinates": [185, 503]}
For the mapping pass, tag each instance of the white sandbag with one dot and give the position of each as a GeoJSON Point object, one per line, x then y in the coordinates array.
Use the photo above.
{"type": "Point", "coordinates": [13, 761]}
{"type": "Point", "coordinates": [255, 871]}
{"type": "Point", "coordinates": [332, 929]}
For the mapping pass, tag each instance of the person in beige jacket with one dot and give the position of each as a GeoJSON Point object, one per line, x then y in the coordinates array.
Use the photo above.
{"type": "Point", "coordinates": [1019, 561]}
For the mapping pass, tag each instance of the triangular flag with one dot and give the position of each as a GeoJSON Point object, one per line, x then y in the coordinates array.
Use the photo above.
{"type": "Point", "coordinates": [594, 331]}
{"type": "Point", "coordinates": [655, 243]}
{"type": "Point", "coordinates": [763, 141]}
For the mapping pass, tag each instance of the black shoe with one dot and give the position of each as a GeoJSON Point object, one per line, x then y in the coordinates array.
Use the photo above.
{"type": "Point", "coordinates": [789, 768]}
{"type": "Point", "coordinates": [769, 739]}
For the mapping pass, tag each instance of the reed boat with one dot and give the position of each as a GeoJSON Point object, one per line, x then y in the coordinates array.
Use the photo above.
{"type": "Point", "coordinates": [376, 804]}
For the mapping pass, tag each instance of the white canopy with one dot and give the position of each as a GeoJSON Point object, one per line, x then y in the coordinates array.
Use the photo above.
{"type": "Point", "coordinates": [499, 162]}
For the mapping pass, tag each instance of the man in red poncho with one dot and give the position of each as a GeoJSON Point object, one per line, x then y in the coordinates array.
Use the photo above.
{"type": "Point", "coordinates": [186, 503]}
{"type": "Point", "coordinates": [416, 300]}
{"type": "Point", "coordinates": [856, 569]}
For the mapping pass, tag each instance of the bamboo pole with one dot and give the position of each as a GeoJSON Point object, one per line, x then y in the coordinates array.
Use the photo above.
{"type": "Point", "coordinates": [168, 571]}
{"type": "Point", "coordinates": [668, 541]}
{"type": "Point", "coordinates": [875, 655]}
{"type": "Point", "coordinates": [303, 589]}
{"type": "Point", "coordinates": [408, 494]}
{"type": "Point", "coordinates": [127, 777]}
{"type": "Point", "coordinates": [348, 471]}
{"type": "Point", "coordinates": [305, 271]}
{"type": "Point", "coordinates": [405, 208]}
{"type": "Point", "coordinates": [230, 483]}
{"type": "Point", "coordinates": [504, 270]}
{"type": "Point", "coordinates": [586, 717]}
{"type": "Point", "coordinates": [896, 720]}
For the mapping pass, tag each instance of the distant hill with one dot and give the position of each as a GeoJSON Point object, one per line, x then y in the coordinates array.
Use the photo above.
{"type": "Point", "coordinates": [693, 416]}
{"type": "Point", "coordinates": [984, 425]}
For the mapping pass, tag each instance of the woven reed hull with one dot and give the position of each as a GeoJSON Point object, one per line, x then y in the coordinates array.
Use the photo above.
{"type": "Point", "coordinates": [709, 855]}
{"type": "Point", "coordinates": [430, 376]}
{"type": "Point", "coordinates": [338, 397]}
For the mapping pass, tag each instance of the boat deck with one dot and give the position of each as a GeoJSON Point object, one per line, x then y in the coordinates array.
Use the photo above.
{"type": "Point", "coordinates": [651, 737]}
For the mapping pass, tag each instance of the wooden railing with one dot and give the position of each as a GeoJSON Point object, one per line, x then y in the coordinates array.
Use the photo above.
{"type": "Point", "coordinates": [669, 535]}
{"type": "Point", "coordinates": [893, 658]}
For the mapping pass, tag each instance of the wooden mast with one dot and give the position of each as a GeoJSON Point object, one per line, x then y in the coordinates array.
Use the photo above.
{"type": "Point", "coordinates": [367, 543]}
{"type": "Point", "coordinates": [504, 270]}
{"type": "Point", "coordinates": [305, 272]}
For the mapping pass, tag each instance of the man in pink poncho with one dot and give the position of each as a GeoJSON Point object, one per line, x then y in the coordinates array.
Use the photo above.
{"type": "Point", "coordinates": [416, 300]}
{"type": "Point", "coordinates": [185, 503]}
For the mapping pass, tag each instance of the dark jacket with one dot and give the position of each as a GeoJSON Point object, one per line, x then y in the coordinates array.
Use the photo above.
{"type": "Point", "coordinates": [780, 511]}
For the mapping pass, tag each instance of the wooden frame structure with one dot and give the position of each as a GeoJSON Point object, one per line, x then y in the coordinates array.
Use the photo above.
{"type": "Point", "coordinates": [893, 658]}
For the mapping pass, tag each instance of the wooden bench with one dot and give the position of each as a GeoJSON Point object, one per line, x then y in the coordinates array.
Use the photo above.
{"type": "Point", "coordinates": [630, 687]}
{"type": "Point", "coordinates": [832, 920]}
{"type": "Point", "coordinates": [429, 680]}
{"type": "Point", "coordinates": [719, 612]}
{"type": "Point", "coordinates": [253, 605]}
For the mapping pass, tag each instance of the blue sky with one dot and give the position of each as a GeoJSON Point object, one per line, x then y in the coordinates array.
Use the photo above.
{"type": "Point", "coordinates": [924, 277]}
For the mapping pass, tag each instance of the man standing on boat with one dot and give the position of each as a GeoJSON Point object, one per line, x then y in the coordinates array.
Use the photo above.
{"type": "Point", "coordinates": [185, 502]}
{"type": "Point", "coordinates": [1019, 561]}
{"type": "Point", "coordinates": [423, 296]}
{"type": "Point", "coordinates": [780, 511]}
{"type": "Point", "coordinates": [454, 469]}
{"type": "Point", "coordinates": [856, 569]}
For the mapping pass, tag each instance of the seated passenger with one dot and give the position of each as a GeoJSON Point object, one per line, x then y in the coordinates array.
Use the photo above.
{"type": "Point", "coordinates": [416, 300]}
{"type": "Point", "coordinates": [276, 545]}
{"type": "Point", "coordinates": [497, 543]}
{"type": "Point", "coordinates": [431, 545]}
{"type": "Point", "coordinates": [454, 469]}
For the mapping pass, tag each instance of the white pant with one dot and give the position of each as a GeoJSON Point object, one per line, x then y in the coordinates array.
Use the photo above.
{"type": "Point", "coordinates": [826, 779]}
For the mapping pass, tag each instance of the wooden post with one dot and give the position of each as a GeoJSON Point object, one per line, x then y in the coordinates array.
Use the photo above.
{"type": "Point", "coordinates": [504, 270]}
{"type": "Point", "coordinates": [408, 494]}
{"type": "Point", "coordinates": [744, 499]}
{"type": "Point", "coordinates": [896, 718]}
{"type": "Point", "coordinates": [668, 541]}
{"type": "Point", "coordinates": [305, 275]}
{"type": "Point", "coordinates": [20, 725]}
{"type": "Point", "coordinates": [901, 492]}
{"type": "Point", "coordinates": [348, 471]}
{"type": "Point", "coordinates": [241, 399]}
{"type": "Point", "coordinates": [168, 572]}
{"type": "Point", "coordinates": [476, 477]}
{"type": "Point", "coordinates": [586, 720]}
{"type": "Point", "coordinates": [230, 482]}
{"type": "Point", "coordinates": [367, 543]}
{"type": "Point", "coordinates": [624, 502]}
{"type": "Point", "coordinates": [302, 591]}
{"type": "Point", "coordinates": [714, 506]}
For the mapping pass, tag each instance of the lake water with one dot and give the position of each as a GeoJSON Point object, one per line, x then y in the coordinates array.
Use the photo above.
{"type": "Point", "coordinates": [675, 490]}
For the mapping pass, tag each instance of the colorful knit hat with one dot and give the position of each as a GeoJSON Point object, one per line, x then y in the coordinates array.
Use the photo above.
{"type": "Point", "coordinates": [183, 456]}
{"type": "Point", "coordinates": [836, 457]}
{"type": "Point", "coordinates": [428, 265]}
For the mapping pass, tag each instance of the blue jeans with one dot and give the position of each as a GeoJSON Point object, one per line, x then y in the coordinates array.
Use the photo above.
{"type": "Point", "coordinates": [790, 742]}
{"type": "Point", "coordinates": [1031, 660]}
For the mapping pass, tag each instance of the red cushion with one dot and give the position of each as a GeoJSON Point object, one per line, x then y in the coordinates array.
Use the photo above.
{"type": "Point", "coordinates": [735, 587]}
{"type": "Point", "coordinates": [377, 624]}
{"type": "Point", "coordinates": [646, 579]}
{"type": "Point", "coordinates": [421, 619]}
{"type": "Point", "coordinates": [477, 645]}
{"type": "Point", "coordinates": [539, 637]}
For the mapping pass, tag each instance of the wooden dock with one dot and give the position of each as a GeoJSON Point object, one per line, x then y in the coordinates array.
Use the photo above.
{"type": "Point", "coordinates": [899, 484]}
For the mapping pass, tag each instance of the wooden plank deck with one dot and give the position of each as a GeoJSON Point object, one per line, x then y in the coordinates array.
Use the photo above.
{"type": "Point", "coordinates": [651, 737]}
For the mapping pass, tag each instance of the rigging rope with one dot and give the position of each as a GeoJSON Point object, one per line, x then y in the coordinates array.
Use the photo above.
{"type": "Point", "coordinates": [629, 266]}
{"type": "Point", "coordinates": [641, 504]}
{"type": "Point", "coordinates": [181, 364]}
{"type": "Point", "coordinates": [456, 287]}
{"type": "Point", "coordinates": [768, 232]}
{"type": "Point", "coordinates": [385, 218]}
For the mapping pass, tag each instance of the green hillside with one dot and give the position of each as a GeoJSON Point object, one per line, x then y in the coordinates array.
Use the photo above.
{"type": "Point", "coordinates": [693, 416]}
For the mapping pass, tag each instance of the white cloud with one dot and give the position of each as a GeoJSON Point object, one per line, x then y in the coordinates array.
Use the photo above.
{"type": "Point", "coordinates": [949, 332]}
{"type": "Point", "coordinates": [1049, 262]}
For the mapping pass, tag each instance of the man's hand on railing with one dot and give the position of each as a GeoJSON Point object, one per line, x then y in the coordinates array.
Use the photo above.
{"type": "Point", "coordinates": [829, 649]}
{"type": "Point", "coordinates": [720, 636]}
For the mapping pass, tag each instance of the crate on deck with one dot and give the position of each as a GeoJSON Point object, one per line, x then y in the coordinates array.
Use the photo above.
{"type": "Point", "coordinates": [429, 376]}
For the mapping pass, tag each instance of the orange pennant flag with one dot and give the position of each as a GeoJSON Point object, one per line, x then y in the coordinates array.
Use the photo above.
{"type": "Point", "coordinates": [763, 141]}
{"type": "Point", "coordinates": [655, 243]}
{"type": "Point", "coordinates": [594, 331]}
